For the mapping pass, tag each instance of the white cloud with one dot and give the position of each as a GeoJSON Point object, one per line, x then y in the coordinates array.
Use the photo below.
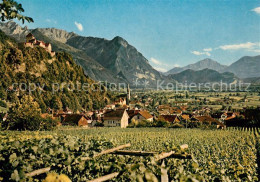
{"type": "Point", "coordinates": [155, 61]}
{"type": "Point", "coordinates": [51, 21]}
{"type": "Point", "coordinates": [256, 10]}
{"type": "Point", "coordinates": [160, 69]}
{"type": "Point", "coordinates": [160, 66]}
{"type": "Point", "coordinates": [79, 26]}
{"type": "Point", "coordinates": [200, 53]}
{"type": "Point", "coordinates": [248, 45]}
{"type": "Point", "coordinates": [196, 53]}
{"type": "Point", "coordinates": [207, 49]}
{"type": "Point", "coordinates": [176, 65]}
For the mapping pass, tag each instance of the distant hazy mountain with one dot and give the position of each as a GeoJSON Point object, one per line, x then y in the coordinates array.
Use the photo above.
{"type": "Point", "coordinates": [245, 67]}
{"type": "Point", "coordinates": [203, 76]}
{"type": "Point", "coordinates": [200, 65]}
{"type": "Point", "coordinates": [105, 60]}
{"type": "Point", "coordinates": [253, 80]}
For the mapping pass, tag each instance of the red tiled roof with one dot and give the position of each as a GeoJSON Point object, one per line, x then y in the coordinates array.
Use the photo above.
{"type": "Point", "coordinates": [170, 118]}
{"type": "Point", "coordinates": [146, 114]}
{"type": "Point", "coordinates": [132, 113]}
{"type": "Point", "coordinates": [208, 119]}
{"type": "Point", "coordinates": [114, 114]}
{"type": "Point", "coordinates": [185, 116]}
{"type": "Point", "coordinates": [178, 111]}
{"type": "Point", "coordinates": [73, 118]}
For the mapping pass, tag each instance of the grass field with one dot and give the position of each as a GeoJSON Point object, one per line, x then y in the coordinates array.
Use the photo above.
{"type": "Point", "coordinates": [220, 155]}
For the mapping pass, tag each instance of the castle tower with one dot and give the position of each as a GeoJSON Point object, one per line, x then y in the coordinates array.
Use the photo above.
{"type": "Point", "coordinates": [29, 37]}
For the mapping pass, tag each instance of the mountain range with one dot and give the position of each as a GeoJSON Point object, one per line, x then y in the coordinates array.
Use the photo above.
{"type": "Point", "coordinates": [245, 67]}
{"type": "Point", "coordinates": [104, 60]}
{"type": "Point", "coordinates": [200, 65]}
{"type": "Point", "coordinates": [203, 76]}
{"type": "Point", "coordinates": [116, 61]}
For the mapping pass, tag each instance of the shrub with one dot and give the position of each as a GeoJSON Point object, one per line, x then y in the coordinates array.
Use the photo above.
{"type": "Point", "coordinates": [177, 125]}
{"type": "Point", "coordinates": [3, 104]}
{"type": "Point", "coordinates": [144, 123]}
{"type": "Point", "coordinates": [162, 123]}
{"type": "Point", "coordinates": [25, 115]}
{"type": "Point", "coordinates": [48, 124]}
{"type": "Point", "coordinates": [99, 124]}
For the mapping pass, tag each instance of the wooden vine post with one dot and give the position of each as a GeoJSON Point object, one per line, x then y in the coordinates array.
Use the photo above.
{"type": "Point", "coordinates": [47, 169]}
{"type": "Point", "coordinates": [118, 151]}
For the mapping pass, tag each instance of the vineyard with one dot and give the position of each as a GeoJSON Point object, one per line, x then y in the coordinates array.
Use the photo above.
{"type": "Point", "coordinates": [217, 155]}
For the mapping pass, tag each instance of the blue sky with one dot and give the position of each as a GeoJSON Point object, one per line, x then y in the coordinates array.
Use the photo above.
{"type": "Point", "coordinates": [168, 33]}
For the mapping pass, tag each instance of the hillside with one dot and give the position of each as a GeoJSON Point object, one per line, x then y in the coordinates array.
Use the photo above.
{"type": "Point", "coordinates": [24, 66]}
{"type": "Point", "coordinates": [105, 60]}
{"type": "Point", "coordinates": [203, 76]}
{"type": "Point", "coordinates": [246, 67]}
{"type": "Point", "coordinates": [200, 65]}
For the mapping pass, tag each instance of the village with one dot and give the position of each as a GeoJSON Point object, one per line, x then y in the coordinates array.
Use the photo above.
{"type": "Point", "coordinates": [140, 110]}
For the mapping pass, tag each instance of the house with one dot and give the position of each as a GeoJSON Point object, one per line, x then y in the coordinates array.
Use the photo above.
{"type": "Point", "coordinates": [76, 120]}
{"type": "Point", "coordinates": [111, 106]}
{"type": "Point", "coordinates": [46, 115]}
{"type": "Point", "coordinates": [228, 115]}
{"type": "Point", "coordinates": [142, 115]}
{"type": "Point", "coordinates": [170, 118]}
{"type": "Point", "coordinates": [175, 111]}
{"type": "Point", "coordinates": [180, 103]}
{"type": "Point", "coordinates": [183, 108]}
{"type": "Point", "coordinates": [116, 118]}
{"type": "Point", "coordinates": [121, 102]}
{"type": "Point", "coordinates": [99, 114]}
{"type": "Point", "coordinates": [207, 120]}
{"type": "Point", "coordinates": [67, 111]}
{"type": "Point", "coordinates": [185, 117]}
{"type": "Point", "coordinates": [164, 112]}
{"type": "Point", "coordinates": [132, 104]}
{"type": "Point", "coordinates": [89, 114]}
{"type": "Point", "coordinates": [163, 107]}
{"type": "Point", "coordinates": [131, 113]}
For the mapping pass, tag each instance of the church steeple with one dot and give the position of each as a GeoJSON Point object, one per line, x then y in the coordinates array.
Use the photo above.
{"type": "Point", "coordinates": [128, 96]}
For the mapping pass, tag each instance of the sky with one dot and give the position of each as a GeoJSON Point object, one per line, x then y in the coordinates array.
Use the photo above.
{"type": "Point", "coordinates": [169, 33]}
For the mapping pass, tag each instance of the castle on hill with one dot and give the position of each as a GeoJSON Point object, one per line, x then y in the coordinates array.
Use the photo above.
{"type": "Point", "coordinates": [32, 42]}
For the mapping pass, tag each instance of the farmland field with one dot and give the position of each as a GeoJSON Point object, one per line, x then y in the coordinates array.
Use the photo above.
{"type": "Point", "coordinates": [217, 155]}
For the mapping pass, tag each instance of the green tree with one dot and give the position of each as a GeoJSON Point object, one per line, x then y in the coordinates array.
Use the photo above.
{"type": "Point", "coordinates": [3, 104]}
{"type": "Point", "coordinates": [55, 103]}
{"type": "Point", "coordinates": [187, 95]}
{"type": "Point", "coordinates": [24, 115]}
{"type": "Point", "coordinates": [10, 9]}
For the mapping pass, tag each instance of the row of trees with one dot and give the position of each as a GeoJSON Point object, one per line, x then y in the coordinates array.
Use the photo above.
{"type": "Point", "coordinates": [25, 114]}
